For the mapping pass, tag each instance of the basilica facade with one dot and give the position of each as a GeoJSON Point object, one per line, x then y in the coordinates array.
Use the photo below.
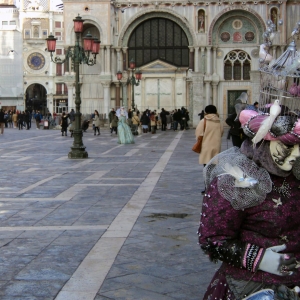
{"type": "Point", "coordinates": [190, 53]}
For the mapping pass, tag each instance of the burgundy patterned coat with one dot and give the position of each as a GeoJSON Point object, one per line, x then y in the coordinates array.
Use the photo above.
{"type": "Point", "coordinates": [225, 233]}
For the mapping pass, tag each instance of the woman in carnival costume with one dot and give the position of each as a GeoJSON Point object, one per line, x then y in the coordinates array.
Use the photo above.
{"type": "Point", "coordinates": [124, 132]}
{"type": "Point", "coordinates": [250, 218]}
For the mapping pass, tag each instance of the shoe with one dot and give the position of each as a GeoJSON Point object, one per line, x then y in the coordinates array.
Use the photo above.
{"type": "Point", "coordinates": [203, 192]}
{"type": "Point", "coordinates": [98, 133]}
{"type": "Point", "coordinates": [62, 134]}
{"type": "Point", "coordinates": [94, 133]}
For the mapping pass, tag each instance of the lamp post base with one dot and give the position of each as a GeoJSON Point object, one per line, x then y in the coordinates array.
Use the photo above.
{"type": "Point", "coordinates": [78, 153]}
{"type": "Point", "coordinates": [78, 149]}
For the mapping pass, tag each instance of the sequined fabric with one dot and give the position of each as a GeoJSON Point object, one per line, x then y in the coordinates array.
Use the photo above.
{"type": "Point", "coordinates": [274, 222]}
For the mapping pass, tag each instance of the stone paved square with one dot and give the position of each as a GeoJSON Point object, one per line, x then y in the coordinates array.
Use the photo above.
{"type": "Point", "coordinates": [119, 225]}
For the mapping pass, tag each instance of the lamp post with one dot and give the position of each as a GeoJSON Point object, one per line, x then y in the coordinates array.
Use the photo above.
{"type": "Point", "coordinates": [133, 80]}
{"type": "Point", "coordinates": [87, 55]}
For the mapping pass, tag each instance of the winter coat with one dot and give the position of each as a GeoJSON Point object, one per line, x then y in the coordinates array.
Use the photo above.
{"type": "Point", "coordinates": [114, 121]}
{"type": "Point", "coordinates": [2, 117]}
{"type": "Point", "coordinates": [96, 121]}
{"type": "Point", "coordinates": [135, 120]}
{"type": "Point", "coordinates": [211, 143]}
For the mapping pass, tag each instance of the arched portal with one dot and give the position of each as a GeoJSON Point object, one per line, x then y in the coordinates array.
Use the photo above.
{"type": "Point", "coordinates": [159, 38]}
{"type": "Point", "coordinates": [36, 98]}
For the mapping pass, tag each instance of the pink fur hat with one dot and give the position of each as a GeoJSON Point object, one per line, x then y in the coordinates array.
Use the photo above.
{"type": "Point", "coordinates": [285, 128]}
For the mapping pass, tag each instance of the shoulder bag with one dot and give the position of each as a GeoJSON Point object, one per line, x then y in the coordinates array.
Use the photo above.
{"type": "Point", "coordinates": [198, 145]}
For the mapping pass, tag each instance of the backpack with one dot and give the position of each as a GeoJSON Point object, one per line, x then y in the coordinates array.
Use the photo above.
{"type": "Point", "coordinates": [38, 118]}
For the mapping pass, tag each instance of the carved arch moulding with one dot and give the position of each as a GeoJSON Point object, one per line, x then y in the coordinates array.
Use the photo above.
{"type": "Point", "coordinates": [234, 12]}
{"type": "Point", "coordinates": [154, 13]}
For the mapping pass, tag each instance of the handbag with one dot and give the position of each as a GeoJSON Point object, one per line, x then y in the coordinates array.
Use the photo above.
{"type": "Point", "coordinates": [198, 145]}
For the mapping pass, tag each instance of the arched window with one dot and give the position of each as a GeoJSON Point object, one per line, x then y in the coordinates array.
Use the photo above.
{"type": "Point", "coordinates": [237, 65]}
{"type": "Point", "coordinates": [159, 38]}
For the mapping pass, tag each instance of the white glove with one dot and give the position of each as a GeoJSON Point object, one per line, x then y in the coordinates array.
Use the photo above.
{"type": "Point", "coordinates": [276, 263]}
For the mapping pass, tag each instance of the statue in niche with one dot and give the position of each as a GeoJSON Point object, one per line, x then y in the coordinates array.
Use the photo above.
{"type": "Point", "coordinates": [201, 21]}
{"type": "Point", "coordinates": [274, 16]}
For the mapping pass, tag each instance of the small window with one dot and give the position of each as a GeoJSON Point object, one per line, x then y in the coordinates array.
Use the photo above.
{"type": "Point", "coordinates": [58, 36]}
{"type": "Point", "coordinates": [4, 23]}
{"type": "Point", "coordinates": [57, 24]}
{"type": "Point", "coordinates": [59, 51]}
{"type": "Point", "coordinates": [12, 22]}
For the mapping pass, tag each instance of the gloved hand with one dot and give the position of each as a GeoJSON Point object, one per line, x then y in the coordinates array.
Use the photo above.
{"type": "Point", "coordinates": [277, 263]}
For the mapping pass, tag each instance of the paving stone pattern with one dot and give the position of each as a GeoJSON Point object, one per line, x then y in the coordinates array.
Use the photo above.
{"type": "Point", "coordinates": [55, 212]}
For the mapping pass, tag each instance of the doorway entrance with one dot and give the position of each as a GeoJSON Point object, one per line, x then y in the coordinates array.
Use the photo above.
{"type": "Point", "coordinates": [231, 98]}
{"type": "Point", "coordinates": [36, 98]}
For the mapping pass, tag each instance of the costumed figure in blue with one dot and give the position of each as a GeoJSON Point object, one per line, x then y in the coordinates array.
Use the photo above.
{"type": "Point", "coordinates": [124, 132]}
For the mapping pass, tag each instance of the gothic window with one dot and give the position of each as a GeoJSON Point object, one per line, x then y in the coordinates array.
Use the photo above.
{"type": "Point", "coordinates": [159, 38]}
{"type": "Point", "coordinates": [237, 65]}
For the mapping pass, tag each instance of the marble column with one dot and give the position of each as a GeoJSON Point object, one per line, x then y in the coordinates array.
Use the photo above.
{"type": "Point", "coordinates": [173, 94]}
{"type": "Point", "coordinates": [202, 60]}
{"type": "Point", "coordinates": [214, 60]}
{"type": "Point", "coordinates": [117, 95]}
{"type": "Point", "coordinates": [191, 66]}
{"type": "Point", "coordinates": [107, 60]}
{"type": "Point", "coordinates": [208, 60]}
{"type": "Point", "coordinates": [102, 57]}
{"type": "Point", "coordinates": [124, 95]}
{"type": "Point", "coordinates": [214, 94]}
{"type": "Point", "coordinates": [125, 64]}
{"type": "Point", "coordinates": [71, 90]}
{"type": "Point", "coordinates": [118, 50]}
{"type": "Point", "coordinates": [143, 94]}
{"type": "Point", "coordinates": [208, 77]}
{"type": "Point", "coordinates": [107, 99]}
{"type": "Point", "coordinates": [196, 63]}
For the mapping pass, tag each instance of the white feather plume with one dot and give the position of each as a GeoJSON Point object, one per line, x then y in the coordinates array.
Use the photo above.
{"type": "Point", "coordinates": [267, 123]}
{"type": "Point", "coordinates": [241, 179]}
{"type": "Point", "coordinates": [263, 54]}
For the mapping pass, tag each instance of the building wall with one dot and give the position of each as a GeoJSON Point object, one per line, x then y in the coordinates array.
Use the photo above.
{"type": "Point", "coordinates": [202, 83]}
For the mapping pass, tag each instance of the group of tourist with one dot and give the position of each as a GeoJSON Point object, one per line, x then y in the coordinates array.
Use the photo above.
{"type": "Point", "coordinates": [15, 119]}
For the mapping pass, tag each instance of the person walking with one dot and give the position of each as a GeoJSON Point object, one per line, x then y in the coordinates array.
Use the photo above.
{"type": "Point", "coordinates": [38, 118]}
{"type": "Point", "coordinates": [211, 128]}
{"type": "Point", "coordinates": [114, 123]}
{"type": "Point", "coordinates": [153, 122]}
{"type": "Point", "coordinates": [21, 118]}
{"type": "Point", "coordinates": [96, 120]}
{"type": "Point", "coordinates": [135, 123]}
{"type": "Point", "coordinates": [145, 121]}
{"type": "Point", "coordinates": [64, 124]}
{"type": "Point", "coordinates": [15, 119]}
{"type": "Point", "coordinates": [27, 119]}
{"type": "Point", "coordinates": [236, 132]}
{"type": "Point", "coordinates": [163, 117]}
{"type": "Point", "coordinates": [2, 121]}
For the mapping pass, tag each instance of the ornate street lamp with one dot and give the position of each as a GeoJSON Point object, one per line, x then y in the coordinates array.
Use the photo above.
{"type": "Point", "coordinates": [133, 80]}
{"type": "Point", "coordinates": [87, 55]}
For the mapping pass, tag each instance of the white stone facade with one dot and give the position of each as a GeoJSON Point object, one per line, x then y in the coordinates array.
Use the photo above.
{"type": "Point", "coordinates": [214, 30]}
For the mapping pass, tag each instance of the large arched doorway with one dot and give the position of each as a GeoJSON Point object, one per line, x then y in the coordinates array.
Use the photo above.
{"type": "Point", "coordinates": [159, 38]}
{"type": "Point", "coordinates": [36, 98]}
